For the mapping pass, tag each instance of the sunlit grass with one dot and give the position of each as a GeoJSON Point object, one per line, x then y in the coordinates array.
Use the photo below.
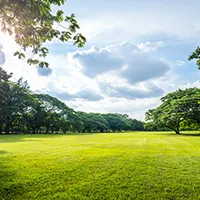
{"type": "Point", "coordinates": [139, 165]}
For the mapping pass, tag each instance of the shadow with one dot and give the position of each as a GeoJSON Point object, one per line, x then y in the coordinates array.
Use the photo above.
{"type": "Point", "coordinates": [37, 137]}
{"type": "Point", "coordinates": [179, 135]}
{"type": "Point", "coordinates": [190, 134]}
{"type": "Point", "coordinates": [2, 152]}
{"type": "Point", "coordinates": [27, 137]}
{"type": "Point", "coordinates": [6, 174]}
{"type": "Point", "coordinates": [10, 187]}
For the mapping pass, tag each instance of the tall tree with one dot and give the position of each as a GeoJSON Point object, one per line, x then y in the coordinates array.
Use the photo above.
{"type": "Point", "coordinates": [18, 102]}
{"type": "Point", "coordinates": [117, 122]}
{"type": "Point", "coordinates": [176, 108]}
{"type": "Point", "coordinates": [4, 96]}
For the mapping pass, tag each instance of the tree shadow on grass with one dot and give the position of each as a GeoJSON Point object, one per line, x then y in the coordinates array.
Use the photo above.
{"type": "Point", "coordinates": [2, 152]}
{"type": "Point", "coordinates": [190, 134]}
{"type": "Point", "coordinates": [182, 134]}
{"type": "Point", "coordinates": [6, 175]}
{"type": "Point", "coordinates": [10, 187]}
{"type": "Point", "coordinates": [37, 137]}
{"type": "Point", "coordinates": [26, 137]}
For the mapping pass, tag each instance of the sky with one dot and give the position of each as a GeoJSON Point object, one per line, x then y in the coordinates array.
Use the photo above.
{"type": "Point", "coordinates": [136, 52]}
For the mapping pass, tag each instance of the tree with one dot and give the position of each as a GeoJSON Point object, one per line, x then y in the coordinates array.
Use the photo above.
{"type": "Point", "coordinates": [4, 96]}
{"type": "Point", "coordinates": [32, 23]}
{"type": "Point", "coordinates": [18, 102]}
{"type": "Point", "coordinates": [136, 125]}
{"type": "Point", "coordinates": [196, 55]}
{"type": "Point", "coordinates": [22, 111]}
{"type": "Point", "coordinates": [93, 122]}
{"type": "Point", "coordinates": [176, 109]}
{"type": "Point", "coordinates": [117, 122]}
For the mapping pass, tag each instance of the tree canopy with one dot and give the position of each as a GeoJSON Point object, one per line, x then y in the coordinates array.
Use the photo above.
{"type": "Point", "coordinates": [196, 55]}
{"type": "Point", "coordinates": [32, 23]}
{"type": "Point", "coordinates": [23, 111]}
{"type": "Point", "coordinates": [177, 109]}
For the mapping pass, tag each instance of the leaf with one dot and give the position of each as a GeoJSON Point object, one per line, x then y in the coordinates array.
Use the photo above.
{"type": "Point", "coordinates": [32, 23]}
{"type": "Point", "coordinates": [9, 31]}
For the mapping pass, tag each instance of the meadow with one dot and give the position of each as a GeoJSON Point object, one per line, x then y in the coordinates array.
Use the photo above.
{"type": "Point", "coordinates": [135, 165]}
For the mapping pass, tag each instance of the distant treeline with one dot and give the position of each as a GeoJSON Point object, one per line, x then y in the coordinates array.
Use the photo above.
{"type": "Point", "coordinates": [22, 111]}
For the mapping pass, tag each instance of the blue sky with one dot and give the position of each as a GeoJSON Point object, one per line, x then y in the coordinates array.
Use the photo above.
{"type": "Point", "coordinates": [136, 52]}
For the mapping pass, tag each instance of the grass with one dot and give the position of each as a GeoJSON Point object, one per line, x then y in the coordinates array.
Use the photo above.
{"type": "Point", "coordinates": [139, 165]}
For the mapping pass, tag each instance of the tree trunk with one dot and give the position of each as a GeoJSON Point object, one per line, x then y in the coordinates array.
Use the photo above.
{"type": "Point", "coordinates": [47, 130]}
{"type": "Point", "coordinates": [33, 130]}
{"type": "Point", "coordinates": [7, 128]}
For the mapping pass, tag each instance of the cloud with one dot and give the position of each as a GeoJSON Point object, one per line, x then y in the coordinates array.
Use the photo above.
{"type": "Point", "coordinates": [97, 61]}
{"type": "Point", "coordinates": [179, 63]}
{"type": "Point", "coordinates": [89, 95]}
{"type": "Point", "coordinates": [86, 95]}
{"type": "Point", "coordinates": [150, 46]}
{"type": "Point", "coordinates": [142, 67]}
{"type": "Point", "coordinates": [2, 56]}
{"type": "Point", "coordinates": [190, 85]}
{"type": "Point", "coordinates": [127, 91]}
{"type": "Point", "coordinates": [63, 96]}
{"type": "Point", "coordinates": [63, 93]}
{"type": "Point", "coordinates": [151, 90]}
{"type": "Point", "coordinates": [124, 49]}
{"type": "Point", "coordinates": [105, 25]}
{"type": "Point", "coordinates": [125, 59]}
{"type": "Point", "coordinates": [44, 71]}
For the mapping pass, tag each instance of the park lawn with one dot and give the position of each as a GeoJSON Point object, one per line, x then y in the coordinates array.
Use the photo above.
{"type": "Point", "coordinates": [137, 165]}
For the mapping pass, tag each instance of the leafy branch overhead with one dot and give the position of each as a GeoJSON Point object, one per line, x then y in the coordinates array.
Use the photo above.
{"type": "Point", "coordinates": [32, 23]}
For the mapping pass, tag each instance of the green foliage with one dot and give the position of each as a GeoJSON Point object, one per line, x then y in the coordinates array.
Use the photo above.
{"type": "Point", "coordinates": [196, 55]}
{"type": "Point", "coordinates": [93, 122]}
{"type": "Point", "coordinates": [4, 96]}
{"type": "Point", "coordinates": [177, 108]}
{"type": "Point", "coordinates": [32, 23]}
{"type": "Point", "coordinates": [23, 111]}
{"type": "Point", "coordinates": [139, 165]}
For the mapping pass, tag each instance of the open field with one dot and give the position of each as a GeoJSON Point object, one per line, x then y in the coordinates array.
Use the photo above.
{"type": "Point", "coordinates": [139, 165]}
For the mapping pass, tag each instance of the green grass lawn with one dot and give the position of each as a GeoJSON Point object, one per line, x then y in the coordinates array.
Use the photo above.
{"type": "Point", "coordinates": [139, 165]}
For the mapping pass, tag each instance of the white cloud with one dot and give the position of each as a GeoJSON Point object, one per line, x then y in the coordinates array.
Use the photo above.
{"type": "Point", "coordinates": [124, 49]}
{"type": "Point", "coordinates": [64, 94]}
{"type": "Point", "coordinates": [142, 67]}
{"type": "Point", "coordinates": [125, 59]}
{"type": "Point", "coordinates": [97, 61]}
{"type": "Point", "coordinates": [179, 62]}
{"type": "Point", "coordinates": [124, 90]}
{"type": "Point", "coordinates": [90, 95]}
{"type": "Point", "coordinates": [150, 46]}
{"type": "Point", "coordinates": [126, 21]}
{"type": "Point", "coordinates": [190, 85]}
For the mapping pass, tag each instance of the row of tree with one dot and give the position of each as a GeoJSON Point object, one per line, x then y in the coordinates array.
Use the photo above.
{"type": "Point", "coordinates": [22, 111]}
{"type": "Point", "coordinates": [179, 110]}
